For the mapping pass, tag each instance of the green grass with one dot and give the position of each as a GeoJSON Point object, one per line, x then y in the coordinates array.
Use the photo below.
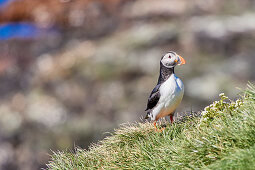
{"type": "Point", "coordinates": [225, 140]}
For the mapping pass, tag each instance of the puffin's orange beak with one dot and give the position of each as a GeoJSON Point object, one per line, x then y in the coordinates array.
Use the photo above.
{"type": "Point", "coordinates": [182, 61]}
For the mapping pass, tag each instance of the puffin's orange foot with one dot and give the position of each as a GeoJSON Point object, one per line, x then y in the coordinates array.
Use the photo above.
{"type": "Point", "coordinates": [172, 118]}
{"type": "Point", "coordinates": [161, 130]}
{"type": "Point", "coordinates": [156, 129]}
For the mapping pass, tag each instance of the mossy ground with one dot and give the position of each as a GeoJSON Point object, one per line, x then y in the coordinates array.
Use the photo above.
{"type": "Point", "coordinates": [226, 141]}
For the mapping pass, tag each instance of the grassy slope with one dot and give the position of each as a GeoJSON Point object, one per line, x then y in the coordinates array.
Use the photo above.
{"type": "Point", "coordinates": [226, 142]}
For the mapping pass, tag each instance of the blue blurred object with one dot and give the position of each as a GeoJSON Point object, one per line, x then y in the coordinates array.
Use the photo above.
{"type": "Point", "coordinates": [4, 2]}
{"type": "Point", "coordinates": [18, 30]}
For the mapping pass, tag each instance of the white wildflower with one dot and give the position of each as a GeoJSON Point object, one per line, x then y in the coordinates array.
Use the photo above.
{"type": "Point", "coordinates": [222, 94]}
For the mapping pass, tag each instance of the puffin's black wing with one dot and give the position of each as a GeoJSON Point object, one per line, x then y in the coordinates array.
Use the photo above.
{"type": "Point", "coordinates": [154, 98]}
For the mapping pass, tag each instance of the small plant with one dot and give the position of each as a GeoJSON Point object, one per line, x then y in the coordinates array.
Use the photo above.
{"type": "Point", "coordinates": [218, 108]}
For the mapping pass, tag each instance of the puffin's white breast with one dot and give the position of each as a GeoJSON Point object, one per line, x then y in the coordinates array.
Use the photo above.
{"type": "Point", "coordinates": [171, 93]}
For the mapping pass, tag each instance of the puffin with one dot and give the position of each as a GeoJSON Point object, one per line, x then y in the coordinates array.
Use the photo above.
{"type": "Point", "coordinates": [168, 93]}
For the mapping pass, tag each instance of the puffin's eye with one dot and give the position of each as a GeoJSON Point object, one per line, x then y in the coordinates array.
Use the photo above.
{"type": "Point", "coordinates": [169, 56]}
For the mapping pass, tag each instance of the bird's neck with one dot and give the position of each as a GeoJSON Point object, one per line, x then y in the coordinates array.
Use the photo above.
{"type": "Point", "coordinates": [165, 73]}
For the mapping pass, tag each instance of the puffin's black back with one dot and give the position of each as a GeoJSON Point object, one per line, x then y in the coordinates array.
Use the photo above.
{"type": "Point", "coordinates": [153, 99]}
{"type": "Point", "coordinates": [164, 73]}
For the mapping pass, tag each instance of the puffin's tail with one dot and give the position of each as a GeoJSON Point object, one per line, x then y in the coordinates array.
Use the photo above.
{"type": "Point", "coordinates": [147, 115]}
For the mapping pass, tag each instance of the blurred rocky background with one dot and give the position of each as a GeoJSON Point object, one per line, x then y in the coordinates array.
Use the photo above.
{"type": "Point", "coordinates": [71, 70]}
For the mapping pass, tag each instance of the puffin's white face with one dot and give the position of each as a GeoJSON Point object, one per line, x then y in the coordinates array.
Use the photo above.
{"type": "Point", "coordinates": [171, 59]}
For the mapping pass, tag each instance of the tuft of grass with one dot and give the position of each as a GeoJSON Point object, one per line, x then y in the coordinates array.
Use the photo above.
{"type": "Point", "coordinates": [226, 140]}
{"type": "Point", "coordinates": [240, 159]}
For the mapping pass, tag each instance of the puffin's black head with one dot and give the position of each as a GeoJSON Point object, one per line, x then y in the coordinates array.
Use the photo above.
{"type": "Point", "coordinates": [171, 59]}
